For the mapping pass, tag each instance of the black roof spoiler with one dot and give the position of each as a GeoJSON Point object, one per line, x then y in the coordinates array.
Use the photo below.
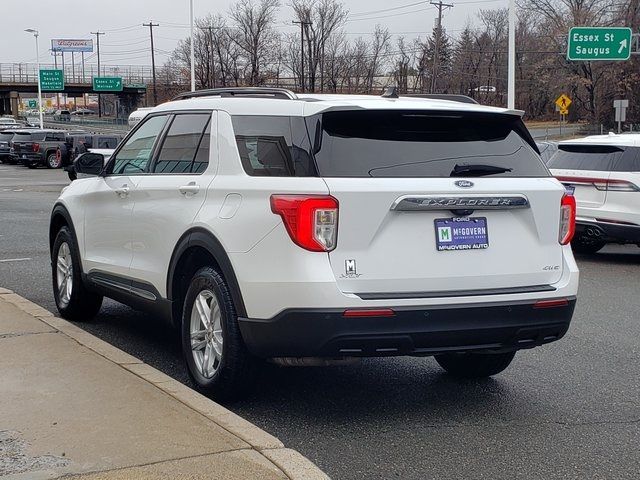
{"type": "Point", "coordinates": [444, 96]}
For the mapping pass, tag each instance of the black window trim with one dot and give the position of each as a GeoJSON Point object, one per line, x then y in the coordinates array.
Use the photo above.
{"type": "Point", "coordinates": [154, 152]}
{"type": "Point", "coordinates": [113, 158]}
{"type": "Point", "coordinates": [163, 136]}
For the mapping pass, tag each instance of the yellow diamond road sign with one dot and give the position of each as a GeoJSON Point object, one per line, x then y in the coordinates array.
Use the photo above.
{"type": "Point", "coordinates": [563, 102]}
{"type": "Point", "coordinates": [564, 112]}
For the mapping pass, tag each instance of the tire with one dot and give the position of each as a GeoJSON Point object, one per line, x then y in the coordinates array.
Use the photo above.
{"type": "Point", "coordinates": [53, 160]}
{"type": "Point", "coordinates": [230, 372]}
{"type": "Point", "coordinates": [586, 245]}
{"type": "Point", "coordinates": [74, 302]}
{"type": "Point", "coordinates": [474, 365]}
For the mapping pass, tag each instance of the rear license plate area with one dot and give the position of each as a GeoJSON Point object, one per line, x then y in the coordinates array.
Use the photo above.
{"type": "Point", "coordinates": [461, 233]}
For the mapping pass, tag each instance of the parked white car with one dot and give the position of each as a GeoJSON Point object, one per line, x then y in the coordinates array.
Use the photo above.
{"type": "Point", "coordinates": [604, 170]}
{"type": "Point", "coordinates": [309, 228]}
{"type": "Point", "coordinates": [137, 115]}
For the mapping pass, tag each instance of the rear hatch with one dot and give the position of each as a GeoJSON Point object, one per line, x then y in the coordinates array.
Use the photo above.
{"type": "Point", "coordinates": [437, 203]}
{"type": "Point", "coordinates": [23, 143]}
{"type": "Point", "coordinates": [587, 169]}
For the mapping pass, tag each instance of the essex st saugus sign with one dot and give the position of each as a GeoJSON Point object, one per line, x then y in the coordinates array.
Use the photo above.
{"type": "Point", "coordinates": [599, 43]}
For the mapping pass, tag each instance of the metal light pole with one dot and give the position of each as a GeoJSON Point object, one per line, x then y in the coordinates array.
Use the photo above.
{"type": "Point", "coordinates": [511, 79]}
{"type": "Point", "coordinates": [192, 48]}
{"type": "Point", "coordinates": [36, 34]}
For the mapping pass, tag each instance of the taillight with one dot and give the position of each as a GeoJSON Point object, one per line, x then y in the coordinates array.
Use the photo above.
{"type": "Point", "coordinates": [567, 219]}
{"type": "Point", "coordinates": [620, 186]}
{"type": "Point", "coordinates": [36, 147]}
{"type": "Point", "coordinates": [602, 184]}
{"type": "Point", "coordinates": [310, 220]}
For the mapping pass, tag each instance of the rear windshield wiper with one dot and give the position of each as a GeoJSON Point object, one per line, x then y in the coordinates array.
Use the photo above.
{"type": "Point", "coordinates": [477, 170]}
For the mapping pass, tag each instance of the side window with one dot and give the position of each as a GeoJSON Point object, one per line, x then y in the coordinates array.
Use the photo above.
{"type": "Point", "coordinates": [180, 145]}
{"type": "Point", "coordinates": [106, 142]}
{"type": "Point", "coordinates": [135, 154]}
{"type": "Point", "coordinates": [54, 137]}
{"type": "Point", "coordinates": [273, 146]}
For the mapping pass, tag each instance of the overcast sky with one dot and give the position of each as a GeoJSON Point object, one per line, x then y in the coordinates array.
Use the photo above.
{"type": "Point", "coordinates": [127, 43]}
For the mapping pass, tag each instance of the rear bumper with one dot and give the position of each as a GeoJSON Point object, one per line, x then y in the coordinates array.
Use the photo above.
{"type": "Point", "coordinates": [411, 331]}
{"type": "Point", "coordinates": [29, 159]}
{"type": "Point", "coordinates": [608, 232]}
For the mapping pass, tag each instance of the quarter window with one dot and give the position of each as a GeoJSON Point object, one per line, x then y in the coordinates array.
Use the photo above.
{"type": "Point", "coordinates": [135, 154]}
{"type": "Point", "coordinates": [273, 146]}
{"type": "Point", "coordinates": [180, 146]}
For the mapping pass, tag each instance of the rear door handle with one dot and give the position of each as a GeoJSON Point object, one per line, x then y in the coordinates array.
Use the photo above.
{"type": "Point", "coordinates": [123, 191]}
{"type": "Point", "coordinates": [190, 189]}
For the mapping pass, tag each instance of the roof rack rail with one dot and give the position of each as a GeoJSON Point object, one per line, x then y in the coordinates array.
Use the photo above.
{"type": "Point", "coordinates": [444, 96]}
{"type": "Point", "coordinates": [240, 92]}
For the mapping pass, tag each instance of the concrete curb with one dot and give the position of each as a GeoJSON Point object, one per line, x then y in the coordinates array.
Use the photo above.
{"type": "Point", "coordinates": [292, 463]}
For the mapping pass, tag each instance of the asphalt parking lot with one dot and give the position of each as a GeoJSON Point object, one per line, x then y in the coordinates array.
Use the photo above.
{"type": "Point", "coordinates": [568, 410]}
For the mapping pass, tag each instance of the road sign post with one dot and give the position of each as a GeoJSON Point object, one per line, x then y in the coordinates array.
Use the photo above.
{"type": "Point", "coordinates": [562, 106]}
{"type": "Point", "coordinates": [621, 112]}
{"type": "Point", "coordinates": [107, 84]}
{"type": "Point", "coordinates": [599, 43]}
{"type": "Point", "coordinates": [52, 80]}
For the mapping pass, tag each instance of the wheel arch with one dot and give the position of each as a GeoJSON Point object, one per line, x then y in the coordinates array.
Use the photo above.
{"type": "Point", "coordinates": [195, 249]}
{"type": "Point", "coordinates": [60, 217]}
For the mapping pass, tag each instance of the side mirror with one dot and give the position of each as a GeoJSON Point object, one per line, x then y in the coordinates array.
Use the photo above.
{"type": "Point", "coordinates": [87, 164]}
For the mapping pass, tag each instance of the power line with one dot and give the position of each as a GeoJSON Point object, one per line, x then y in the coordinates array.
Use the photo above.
{"type": "Point", "coordinates": [399, 7]}
{"type": "Point", "coordinates": [389, 16]}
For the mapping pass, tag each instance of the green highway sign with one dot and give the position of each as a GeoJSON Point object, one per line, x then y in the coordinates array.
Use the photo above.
{"type": "Point", "coordinates": [599, 43]}
{"type": "Point", "coordinates": [51, 80]}
{"type": "Point", "coordinates": [107, 84]}
{"type": "Point", "coordinates": [32, 103]}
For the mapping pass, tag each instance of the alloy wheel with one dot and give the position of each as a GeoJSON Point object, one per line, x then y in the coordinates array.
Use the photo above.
{"type": "Point", "coordinates": [206, 333]}
{"type": "Point", "coordinates": [64, 274]}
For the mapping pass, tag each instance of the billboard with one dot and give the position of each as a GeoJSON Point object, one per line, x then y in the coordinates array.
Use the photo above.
{"type": "Point", "coordinates": [67, 45]}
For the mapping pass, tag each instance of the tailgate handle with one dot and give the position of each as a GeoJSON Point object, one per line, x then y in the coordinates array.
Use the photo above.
{"type": "Point", "coordinates": [418, 203]}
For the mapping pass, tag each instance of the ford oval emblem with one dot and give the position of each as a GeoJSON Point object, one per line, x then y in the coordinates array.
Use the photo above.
{"type": "Point", "coordinates": [463, 184]}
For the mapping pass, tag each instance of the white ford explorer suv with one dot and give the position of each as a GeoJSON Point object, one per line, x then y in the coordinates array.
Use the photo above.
{"type": "Point", "coordinates": [604, 170]}
{"type": "Point", "coordinates": [307, 229]}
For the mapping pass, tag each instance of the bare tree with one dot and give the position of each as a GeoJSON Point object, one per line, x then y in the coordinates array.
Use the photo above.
{"type": "Point", "coordinates": [379, 50]}
{"type": "Point", "coordinates": [321, 19]}
{"type": "Point", "coordinates": [255, 34]}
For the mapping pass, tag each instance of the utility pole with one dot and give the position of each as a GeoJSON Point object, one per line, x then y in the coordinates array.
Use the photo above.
{"type": "Point", "coordinates": [153, 61]}
{"type": "Point", "coordinates": [436, 51]}
{"type": "Point", "coordinates": [192, 49]}
{"type": "Point", "coordinates": [511, 77]}
{"type": "Point", "coordinates": [97, 34]}
{"type": "Point", "coordinates": [55, 65]}
{"type": "Point", "coordinates": [302, 24]}
{"type": "Point", "coordinates": [212, 63]}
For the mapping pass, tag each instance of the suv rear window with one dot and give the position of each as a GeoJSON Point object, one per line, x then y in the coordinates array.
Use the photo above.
{"type": "Point", "coordinates": [605, 158]}
{"type": "Point", "coordinates": [5, 137]}
{"type": "Point", "coordinates": [387, 143]}
{"type": "Point", "coordinates": [22, 137]}
{"type": "Point", "coordinates": [586, 157]}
